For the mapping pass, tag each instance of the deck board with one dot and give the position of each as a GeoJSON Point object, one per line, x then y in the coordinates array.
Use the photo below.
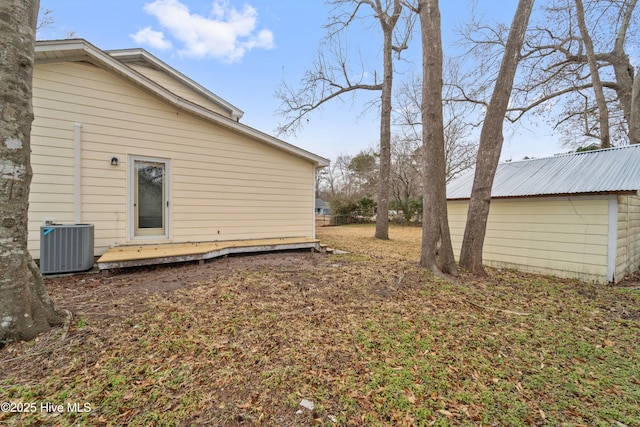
{"type": "Point", "coordinates": [138, 255]}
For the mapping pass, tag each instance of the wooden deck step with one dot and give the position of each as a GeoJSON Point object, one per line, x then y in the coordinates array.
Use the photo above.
{"type": "Point", "coordinates": [140, 255]}
{"type": "Point", "coordinates": [325, 248]}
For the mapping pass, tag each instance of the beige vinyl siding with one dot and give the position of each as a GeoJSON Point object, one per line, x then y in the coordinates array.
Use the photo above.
{"type": "Point", "coordinates": [179, 89]}
{"type": "Point", "coordinates": [51, 192]}
{"type": "Point", "coordinates": [223, 185]}
{"type": "Point", "coordinates": [628, 238]}
{"type": "Point", "coordinates": [563, 236]}
{"type": "Point", "coordinates": [633, 234]}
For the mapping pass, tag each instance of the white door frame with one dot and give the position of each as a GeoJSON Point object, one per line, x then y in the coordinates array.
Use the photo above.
{"type": "Point", "coordinates": [131, 226]}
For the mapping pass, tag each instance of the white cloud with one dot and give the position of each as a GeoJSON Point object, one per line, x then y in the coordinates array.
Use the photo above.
{"type": "Point", "coordinates": [228, 33]}
{"type": "Point", "coordinates": [152, 38]}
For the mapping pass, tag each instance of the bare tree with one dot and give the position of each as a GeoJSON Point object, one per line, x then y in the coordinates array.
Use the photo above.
{"type": "Point", "coordinates": [491, 139]}
{"type": "Point", "coordinates": [437, 251]}
{"type": "Point", "coordinates": [25, 308]}
{"type": "Point", "coordinates": [406, 149]}
{"type": "Point", "coordinates": [555, 81]}
{"type": "Point", "coordinates": [327, 184]}
{"type": "Point", "coordinates": [349, 176]}
{"type": "Point", "coordinates": [332, 79]}
{"type": "Point", "coordinates": [460, 147]}
{"type": "Point", "coordinates": [345, 181]}
{"type": "Point", "coordinates": [406, 167]}
{"type": "Point", "coordinates": [45, 19]}
{"type": "Point", "coordinates": [365, 170]}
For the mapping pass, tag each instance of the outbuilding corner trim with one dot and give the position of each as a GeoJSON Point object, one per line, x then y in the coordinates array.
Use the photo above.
{"type": "Point", "coordinates": [612, 239]}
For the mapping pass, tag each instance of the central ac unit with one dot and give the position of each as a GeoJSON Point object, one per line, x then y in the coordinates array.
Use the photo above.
{"type": "Point", "coordinates": [66, 248]}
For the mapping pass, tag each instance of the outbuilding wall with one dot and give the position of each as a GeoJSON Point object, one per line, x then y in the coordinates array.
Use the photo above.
{"type": "Point", "coordinates": [628, 236]}
{"type": "Point", "coordinates": [562, 236]}
{"type": "Point", "coordinates": [223, 185]}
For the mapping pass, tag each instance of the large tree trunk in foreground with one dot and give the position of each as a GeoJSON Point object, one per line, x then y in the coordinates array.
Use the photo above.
{"type": "Point", "coordinates": [437, 252]}
{"type": "Point", "coordinates": [491, 139]}
{"type": "Point", "coordinates": [25, 307]}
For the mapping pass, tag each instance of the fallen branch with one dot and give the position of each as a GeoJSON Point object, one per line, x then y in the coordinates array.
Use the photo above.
{"type": "Point", "coordinates": [67, 323]}
{"type": "Point", "coordinates": [482, 307]}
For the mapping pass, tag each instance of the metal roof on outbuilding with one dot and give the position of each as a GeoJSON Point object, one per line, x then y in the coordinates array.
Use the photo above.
{"type": "Point", "coordinates": [608, 170]}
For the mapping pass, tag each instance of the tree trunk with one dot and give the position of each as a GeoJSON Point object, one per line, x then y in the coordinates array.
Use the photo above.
{"type": "Point", "coordinates": [382, 213]}
{"type": "Point", "coordinates": [603, 110]}
{"type": "Point", "coordinates": [491, 139]}
{"type": "Point", "coordinates": [626, 77]}
{"type": "Point", "coordinates": [25, 307]}
{"type": "Point", "coordinates": [634, 122]}
{"type": "Point", "coordinates": [437, 252]}
{"type": "Point", "coordinates": [388, 24]}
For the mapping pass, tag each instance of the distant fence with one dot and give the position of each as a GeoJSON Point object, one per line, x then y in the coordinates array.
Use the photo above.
{"type": "Point", "coordinates": [329, 220]}
{"type": "Point", "coordinates": [322, 220]}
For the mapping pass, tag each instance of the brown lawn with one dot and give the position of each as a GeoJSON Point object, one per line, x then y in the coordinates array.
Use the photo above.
{"type": "Point", "coordinates": [368, 337]}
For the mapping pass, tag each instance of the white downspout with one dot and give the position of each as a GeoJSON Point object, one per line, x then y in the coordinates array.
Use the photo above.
{"type": "Point", "coordinates": [313, 217]}
{"type": "Point", "coordinates": [77, 173]}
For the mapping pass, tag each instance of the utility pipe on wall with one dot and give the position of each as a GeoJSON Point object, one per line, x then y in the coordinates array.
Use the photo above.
{"type": "Point", "coordinates": [77, 173]}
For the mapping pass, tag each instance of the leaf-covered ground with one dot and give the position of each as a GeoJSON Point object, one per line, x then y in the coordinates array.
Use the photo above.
{"type": "Point", "coordinates": [367, 337]}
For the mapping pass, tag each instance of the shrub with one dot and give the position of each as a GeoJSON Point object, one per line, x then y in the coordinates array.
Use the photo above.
{"type": "Point", "coordinates": [350, 210]}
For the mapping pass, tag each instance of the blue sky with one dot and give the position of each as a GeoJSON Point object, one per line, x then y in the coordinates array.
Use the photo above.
{"type": "Point", "coordinates": [242, 49]}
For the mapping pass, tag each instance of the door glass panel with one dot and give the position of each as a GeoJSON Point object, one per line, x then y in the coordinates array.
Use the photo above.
{"type": "Point", "coordinates": [150, 198]}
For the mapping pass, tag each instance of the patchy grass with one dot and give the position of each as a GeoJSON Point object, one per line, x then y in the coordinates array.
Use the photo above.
{"type": "Point", "coordinates": [368, 337]}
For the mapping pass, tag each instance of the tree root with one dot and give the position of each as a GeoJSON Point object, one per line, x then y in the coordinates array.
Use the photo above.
{"type": "Point", "coordinates": [58, 343]}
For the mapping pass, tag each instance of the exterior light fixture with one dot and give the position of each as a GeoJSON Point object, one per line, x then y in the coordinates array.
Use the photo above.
{"type": "Point", "coordinates": [114, 161]}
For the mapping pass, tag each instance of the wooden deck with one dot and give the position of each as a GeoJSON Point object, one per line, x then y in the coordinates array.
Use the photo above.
{"type": "Point", "coordinates": [140, 255]}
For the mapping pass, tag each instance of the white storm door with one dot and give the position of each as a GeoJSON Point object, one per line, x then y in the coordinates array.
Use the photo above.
{"type": "Point", "coordinates": [150, 203]}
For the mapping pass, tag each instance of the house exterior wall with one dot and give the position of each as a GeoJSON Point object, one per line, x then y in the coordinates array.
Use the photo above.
{"type": "Point", "coordinates": [562, 236]}
{"type": "Point", "coordinates": [628, 236]}
{"type": "Point", "coordinates": [179, 89]}
{"type": "Point", "coordinates": [223, 185]}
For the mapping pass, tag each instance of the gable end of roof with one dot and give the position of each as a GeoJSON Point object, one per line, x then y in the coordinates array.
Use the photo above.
{"type": "Point", "coordinates": [141, 56]}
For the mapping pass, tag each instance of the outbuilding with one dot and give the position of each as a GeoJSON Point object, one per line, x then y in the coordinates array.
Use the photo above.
{"type": "Point", "coordinates": [125, 142]}
{"type": "Point", "coordinates": [572, 215]}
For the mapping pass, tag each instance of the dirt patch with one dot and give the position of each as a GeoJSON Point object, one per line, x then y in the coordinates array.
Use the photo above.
{"type": "Point", "coordinates": [126, 291]}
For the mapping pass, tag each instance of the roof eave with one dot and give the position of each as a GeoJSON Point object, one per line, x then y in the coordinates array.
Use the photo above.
{"type": "Point", "coordinates": [529, 196]}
